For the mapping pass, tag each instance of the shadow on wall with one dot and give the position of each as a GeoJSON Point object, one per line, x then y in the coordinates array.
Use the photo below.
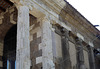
{"type": "Point", "coordinates": [9, 52]}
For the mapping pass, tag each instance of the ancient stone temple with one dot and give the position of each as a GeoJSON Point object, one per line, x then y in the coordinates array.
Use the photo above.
{"type": "Point", "coordinates": [46, 34]}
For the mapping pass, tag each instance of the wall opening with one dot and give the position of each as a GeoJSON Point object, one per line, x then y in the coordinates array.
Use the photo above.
{"type": "Point", "coordinates": [9, 52]}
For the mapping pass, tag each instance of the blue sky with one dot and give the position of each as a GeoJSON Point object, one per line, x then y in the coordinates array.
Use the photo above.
{"type": "Point", "coordinates": [90, 9]}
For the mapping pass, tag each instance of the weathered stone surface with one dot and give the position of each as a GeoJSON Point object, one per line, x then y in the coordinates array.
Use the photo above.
{"type": "Point", "coordinates": [57, 50]}
{"type": "Point", "coordinates": [80, 55]}
{"type": "Point", "coordinates": [72, 51]}
{"type": "Point", "coordinates": [61, 12]}
{"type": "Point", "coordinates": [66, 63]}
{"type": "Point", "coordinates": [35, 41]}
{"type": "Point", "coordinates": [58, 12]}
{"type": "Point", "coordinates": [91, 58]}
{"type": "Point", "coordinates": [47, 55]}
{"type": "Point", "coordinates": [38, 60]}
{"type": "Point", "coordinates": [58, 46]}
{"type": "Point", "coordinates": [86, 59]}
{"type": "Point", "coordinates": [23, 45]}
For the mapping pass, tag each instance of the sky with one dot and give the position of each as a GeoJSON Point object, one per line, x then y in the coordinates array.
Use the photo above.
{"type": "Point", "coordinates": [90, 9]}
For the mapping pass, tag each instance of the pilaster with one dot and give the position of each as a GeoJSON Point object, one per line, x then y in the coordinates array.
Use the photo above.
{"type": "Point", "coordinates": [23, 44]}
{"type": "Point", "coordinates": [47, 52]}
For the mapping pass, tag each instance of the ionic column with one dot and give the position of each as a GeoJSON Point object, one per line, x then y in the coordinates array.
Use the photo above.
{"type": "Point", "coordinates": [23, 44]}
{"type": "Point", "coordinates": [80, 55]}
{"type": "Point", "coordinates": [47, 52]}
{"type": "Point", "coordinates": [91, 58]}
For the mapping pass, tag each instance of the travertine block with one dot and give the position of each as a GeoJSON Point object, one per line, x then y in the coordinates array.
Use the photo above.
{"type": "Point", "coordinates": [38, 60]}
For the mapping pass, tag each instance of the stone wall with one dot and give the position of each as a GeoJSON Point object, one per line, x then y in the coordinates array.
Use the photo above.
{"type": "Point", "coordinates": [35, 44]}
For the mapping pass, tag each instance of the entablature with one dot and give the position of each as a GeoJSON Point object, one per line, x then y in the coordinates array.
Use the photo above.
{"type": "Point", "coordinates": [56, 9]}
